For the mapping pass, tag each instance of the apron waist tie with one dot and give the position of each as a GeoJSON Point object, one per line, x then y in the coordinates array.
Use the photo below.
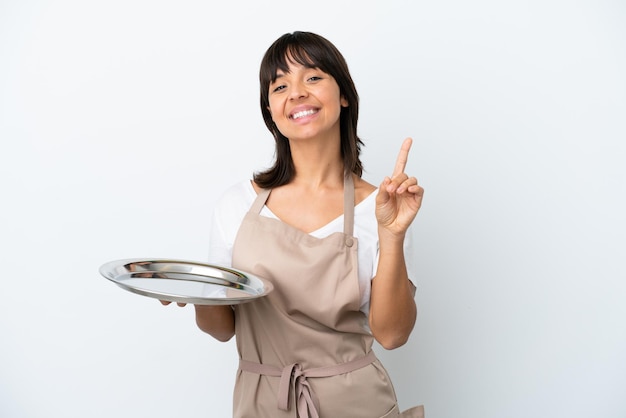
{"type": "Point", "coordinates": [294, 376]}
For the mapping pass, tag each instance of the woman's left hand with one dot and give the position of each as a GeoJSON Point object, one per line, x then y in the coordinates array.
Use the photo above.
{"type": "Point", "coordinates": [399, 196]}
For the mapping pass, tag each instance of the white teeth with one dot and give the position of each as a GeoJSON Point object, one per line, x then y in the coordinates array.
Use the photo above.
{"type": "Point", "coordinates": [303, 113]}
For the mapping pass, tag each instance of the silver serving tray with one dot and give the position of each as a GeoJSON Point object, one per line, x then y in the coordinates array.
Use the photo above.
{"type": "Point", "coordinates": [185, 281]}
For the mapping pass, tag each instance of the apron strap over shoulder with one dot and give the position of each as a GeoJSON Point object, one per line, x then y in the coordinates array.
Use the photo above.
{"type": "Point", "coordinates": [260, 200]}
{"type": "Point", "coordinates": [348, 206]}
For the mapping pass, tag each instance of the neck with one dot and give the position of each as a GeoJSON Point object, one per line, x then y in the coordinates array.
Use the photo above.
{"type": "Point", "coordinates": [317, 163]}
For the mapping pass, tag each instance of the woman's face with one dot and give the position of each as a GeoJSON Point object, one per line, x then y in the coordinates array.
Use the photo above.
{"type": "Point", "coordinates": [306, 103]}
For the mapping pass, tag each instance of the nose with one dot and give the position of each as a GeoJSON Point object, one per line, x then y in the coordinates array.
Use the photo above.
{"type": "Point", "coordinates": [297, 91]}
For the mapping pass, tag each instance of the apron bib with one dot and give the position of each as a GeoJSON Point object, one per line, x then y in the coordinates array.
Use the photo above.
{"type": "Point", "coordinates": [304, 349]}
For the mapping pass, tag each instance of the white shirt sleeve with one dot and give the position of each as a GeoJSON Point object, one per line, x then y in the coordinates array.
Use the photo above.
{"type": "Point", "coordinates": [219, 251]}
{"type": "Point", "coordinates": [228, 214]}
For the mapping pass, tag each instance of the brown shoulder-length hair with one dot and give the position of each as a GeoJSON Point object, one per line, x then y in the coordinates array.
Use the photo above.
{"type": "Point", "coordinates": [312, 51]}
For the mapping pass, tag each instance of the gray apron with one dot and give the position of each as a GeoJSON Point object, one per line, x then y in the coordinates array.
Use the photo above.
{"type": "Point", "coordinates": [304, 349]}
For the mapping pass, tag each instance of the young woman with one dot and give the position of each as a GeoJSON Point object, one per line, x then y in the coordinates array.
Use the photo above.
{"type": "Point", "coordinates": [331, 244]}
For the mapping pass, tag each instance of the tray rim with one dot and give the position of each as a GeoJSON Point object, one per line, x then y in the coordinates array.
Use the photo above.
{"type": "Point", "coordinates": [107, 271]}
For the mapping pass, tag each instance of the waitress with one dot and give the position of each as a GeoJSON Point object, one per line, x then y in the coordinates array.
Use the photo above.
{"type": "Point", "coordinates": [332, 244]}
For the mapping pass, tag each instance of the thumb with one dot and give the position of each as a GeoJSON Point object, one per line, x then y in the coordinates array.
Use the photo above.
{"type": "Point", "coordinates": [383, 194]}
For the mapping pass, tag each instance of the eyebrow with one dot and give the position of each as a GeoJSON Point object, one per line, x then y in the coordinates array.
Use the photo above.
{"type": "Point", "coordinates": [276, 77]}
{"type": "Point", "coordinates": [282, 73]}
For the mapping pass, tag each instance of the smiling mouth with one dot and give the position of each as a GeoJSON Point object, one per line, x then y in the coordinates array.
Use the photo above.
{"type": "Point", "coordinates": [303, 113]}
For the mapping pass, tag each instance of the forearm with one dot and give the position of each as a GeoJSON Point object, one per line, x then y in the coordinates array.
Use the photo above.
{"type": "Point", "coordinates": [392, 305]}
{"type": "Point", "coordinates": [218, 321]}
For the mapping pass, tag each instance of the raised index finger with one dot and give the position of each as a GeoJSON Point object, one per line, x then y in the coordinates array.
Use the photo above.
{"type": "Point", "coordinates": [403, 157]}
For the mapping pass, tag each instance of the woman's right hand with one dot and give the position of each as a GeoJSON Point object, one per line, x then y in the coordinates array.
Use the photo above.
{"type": "Point", "coordinates": [167, 302]}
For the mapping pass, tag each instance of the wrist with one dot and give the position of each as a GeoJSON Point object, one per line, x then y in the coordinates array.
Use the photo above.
{"type": "Point", "coordinates": [390, 241]}
{"type": "Point", "coordinates": [389, 236]}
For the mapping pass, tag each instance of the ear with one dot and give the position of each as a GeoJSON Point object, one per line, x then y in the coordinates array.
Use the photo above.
{"type": "Point", "coordinates": [344, 102]}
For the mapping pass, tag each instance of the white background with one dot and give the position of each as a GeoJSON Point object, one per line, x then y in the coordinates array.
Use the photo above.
{"type": "Point", "coordinates": [121, 122]}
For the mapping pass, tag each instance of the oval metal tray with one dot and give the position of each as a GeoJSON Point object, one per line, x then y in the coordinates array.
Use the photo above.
{"type": "Point", "coordinates": [185, 281]}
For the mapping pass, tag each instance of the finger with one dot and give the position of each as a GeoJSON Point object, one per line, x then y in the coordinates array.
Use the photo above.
{"type": "Point", "coordinates": [407, 184]}
{"type": "Point", "coordinates": [396, 182]}
{"type": "Point", "coordinates": [165, 302]}
{"type": "Point", "coordinates": [383, 194]}
{"type": "Point", "coordinates": [181, 304]}
{"type": "Point", "coordinates": [416, 189]}
{"type": "Point", "coordinates": [403, 157]}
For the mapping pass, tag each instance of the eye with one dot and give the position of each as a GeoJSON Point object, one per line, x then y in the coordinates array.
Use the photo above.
{"type": "Point", "coordinates": [315, 78]}
{"type": "Point", "coordinates": [278, 88]}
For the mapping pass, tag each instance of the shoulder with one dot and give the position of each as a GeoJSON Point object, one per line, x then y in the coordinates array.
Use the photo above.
{"type": "Point", "coordinates": [228, 213]}
{"type": "Point", "coordinates": [362, 189]}
{"type": "Point", "coordinates": [237, 195]}
{"type": "Point", "coordinates": [365, 223]}
{"type": "Point", "coordinates": [234, 202]}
